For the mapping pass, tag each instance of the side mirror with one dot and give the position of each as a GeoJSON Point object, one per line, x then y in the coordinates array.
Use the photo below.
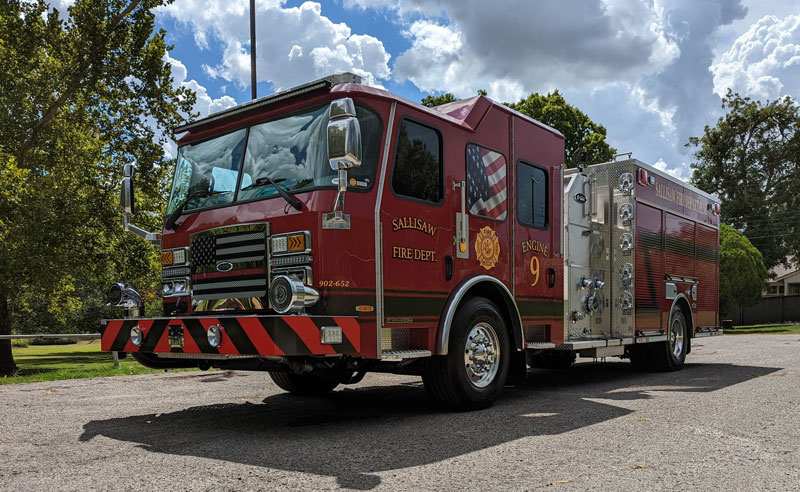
{"type": "Point", "coordinates": [127, 190]}
{"type": "Point", "coordinates": [126, 200]}
{"type": "Point", "coordinates": [344, 135]}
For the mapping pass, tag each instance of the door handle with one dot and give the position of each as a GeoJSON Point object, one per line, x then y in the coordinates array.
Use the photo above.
{"type": "Point", "coordinates": [461, 238]}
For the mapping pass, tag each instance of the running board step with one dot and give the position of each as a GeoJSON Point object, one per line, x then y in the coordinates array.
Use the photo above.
{"type": "Point", "coordinates": [540, 345]}
{"type": "Point", "coordinates": [404, 354]}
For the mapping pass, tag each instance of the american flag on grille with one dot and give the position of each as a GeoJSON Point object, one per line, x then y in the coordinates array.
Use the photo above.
{"type": "Point", "coordinates": [486, 182]}
{"type": "Point", "coordinates": [229, 252]}
{"type": "Point", "coordinates": [204, 250]}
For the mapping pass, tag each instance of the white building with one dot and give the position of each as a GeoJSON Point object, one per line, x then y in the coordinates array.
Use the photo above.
{"type": "Point", "coordinates": [786, 281]}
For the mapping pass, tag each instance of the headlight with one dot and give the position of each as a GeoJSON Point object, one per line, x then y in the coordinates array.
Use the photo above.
{"type": "Point", "coordinates": [136, 335]}
{"type": "Point", "coordinates": [180, 287]}
{"type": "Point", "coordinates": [290, 295]}
{"type": "Point", "coordinates": [175, 287]}
{"type": "Point", "coordinates": [214, 335]}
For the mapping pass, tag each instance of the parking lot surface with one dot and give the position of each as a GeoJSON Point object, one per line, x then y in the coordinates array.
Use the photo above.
{"type": "Point", "coordinates": [730, 420]}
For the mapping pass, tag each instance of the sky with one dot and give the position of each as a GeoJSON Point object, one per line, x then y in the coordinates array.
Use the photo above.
{"type": "Point", "coordinates": [653, 72]}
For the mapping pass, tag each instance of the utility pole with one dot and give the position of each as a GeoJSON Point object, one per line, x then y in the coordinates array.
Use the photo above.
{"type": "Point", "coordinates": [253, 88]}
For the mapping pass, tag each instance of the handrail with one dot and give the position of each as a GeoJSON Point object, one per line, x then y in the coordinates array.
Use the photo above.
{"type": "Point", "coordinates": [53, 335]}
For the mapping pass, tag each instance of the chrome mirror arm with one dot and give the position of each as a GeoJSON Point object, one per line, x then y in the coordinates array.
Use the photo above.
{"type": "Point", "coordinates": [338, 219]}
{"type": "Point", "coordinates": [153, 238]}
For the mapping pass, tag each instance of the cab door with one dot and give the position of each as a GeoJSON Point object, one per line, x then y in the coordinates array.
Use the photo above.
{"type": "Point", "coordinates": [416, 236]}
{"type": "Point", "coordinates": [538, 265]}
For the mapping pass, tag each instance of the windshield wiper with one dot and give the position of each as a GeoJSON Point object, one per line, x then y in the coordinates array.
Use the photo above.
{"type": "Point", "coordinates": [170, 223]}
{"type": "Point", "coordinates": [263, 181]}
{"type": "Point", "coordinates": [266, 180]}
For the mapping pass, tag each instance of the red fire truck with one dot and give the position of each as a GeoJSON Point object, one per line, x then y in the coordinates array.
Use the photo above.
{"type": "Point", "coordinates": [335, 229]}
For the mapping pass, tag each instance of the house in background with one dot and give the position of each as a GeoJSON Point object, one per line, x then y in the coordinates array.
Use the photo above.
{"type": "Point", "coordinates": [786, 281]}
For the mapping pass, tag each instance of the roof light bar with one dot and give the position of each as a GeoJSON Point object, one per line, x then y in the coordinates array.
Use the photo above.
{"type": "Point", "coordinates": [323, 83]}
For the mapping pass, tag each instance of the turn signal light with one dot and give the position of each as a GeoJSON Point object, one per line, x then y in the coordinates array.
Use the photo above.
{"type": "Point", "coordinates": [296, 242]}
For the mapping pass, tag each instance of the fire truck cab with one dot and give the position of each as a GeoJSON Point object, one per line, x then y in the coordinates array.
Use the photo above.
{"type": "Point", "coordinates": [334, 229]}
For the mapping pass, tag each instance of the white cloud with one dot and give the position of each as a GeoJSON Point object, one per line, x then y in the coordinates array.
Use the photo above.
{"type": "Point", "coordinates": [295, 45]}
{"type": "Point", "coordinates": [204, 104]}
{"type": "Point", "coordinates": [764, 62]}
{"type": "Point", "coordinates": [639, 67]}
{"type": "Point", "coordinates": [675, 172]}
{"type": "Point", "coordinates": [542, 46]}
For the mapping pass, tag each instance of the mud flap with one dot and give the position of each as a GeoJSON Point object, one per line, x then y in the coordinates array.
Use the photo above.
{"type": "Point", "coordinates": [517, 369]}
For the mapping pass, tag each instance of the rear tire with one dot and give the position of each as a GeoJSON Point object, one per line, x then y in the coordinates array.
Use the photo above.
{"type": "Point", "coordinates": [473, 373]}
{"type": "Point", "coordinates": [670, 355]}
{"type": "Point", "coordinates": [311, 384]}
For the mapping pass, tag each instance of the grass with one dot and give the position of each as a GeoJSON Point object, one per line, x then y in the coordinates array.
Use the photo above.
{"type": "Point", "coordinates": [786, 329]}
{"type": "Point", "coordinates": [80, 360]}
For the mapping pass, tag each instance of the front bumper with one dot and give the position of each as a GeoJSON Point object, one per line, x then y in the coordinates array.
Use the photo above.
{"type": "Point", "coordinates": [242, 335]}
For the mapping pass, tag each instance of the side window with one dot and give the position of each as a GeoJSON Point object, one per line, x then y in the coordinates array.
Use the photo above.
{"type": "Point", "coordinates": [418, 163]}
{"type": "Point", "coordinates": [486, 182]}
{"type": "Point", "coordinates": [532, 195]}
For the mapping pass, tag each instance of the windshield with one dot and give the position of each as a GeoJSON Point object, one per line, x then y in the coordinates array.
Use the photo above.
{"type": "Point", "coordinates": [212, 165]}
{"type": "Point", "coordinates": [291, 151]}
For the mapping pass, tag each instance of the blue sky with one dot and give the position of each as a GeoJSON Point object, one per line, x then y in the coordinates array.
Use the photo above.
{"type": "Point", "coordinates": [651, 71]}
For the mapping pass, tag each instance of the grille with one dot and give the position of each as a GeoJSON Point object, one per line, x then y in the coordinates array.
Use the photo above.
{"type": "Point", "coordinates": [230, 263]}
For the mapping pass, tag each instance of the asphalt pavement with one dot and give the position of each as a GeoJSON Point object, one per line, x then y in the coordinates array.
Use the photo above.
{"type": "Point", "coordinates": [729, 420]}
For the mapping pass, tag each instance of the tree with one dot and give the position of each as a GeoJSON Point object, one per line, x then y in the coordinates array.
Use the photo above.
{"type": "Point", "coordinates": [581, 134]}
{"type": "Point", "coordinates": [751, 159]}
{"type": "Point", "coordinates": [741, 270]}
{"type": "Point", "coordinates": [79, 97]}
{"type": "Point", "coordinates": [432, 101]}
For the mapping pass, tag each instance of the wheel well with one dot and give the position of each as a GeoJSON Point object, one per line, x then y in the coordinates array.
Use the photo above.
{"type": "Point", "coordinates": [504, 305]}
{"type": "Point", "coordinates": [683, 305]}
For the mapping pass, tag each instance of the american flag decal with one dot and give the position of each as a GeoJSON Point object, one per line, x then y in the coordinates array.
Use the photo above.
{"type": "Point", "coordinates": [229, 264]}
{"type": "Point", "coordinates": [486, 182]}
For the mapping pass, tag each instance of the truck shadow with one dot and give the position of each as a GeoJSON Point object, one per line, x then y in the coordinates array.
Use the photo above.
{"type": "Point", "coordinates": [354, 433]}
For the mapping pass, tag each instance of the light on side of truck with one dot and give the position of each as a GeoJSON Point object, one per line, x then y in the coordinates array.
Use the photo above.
{"type": "Point", "coordinates": [279, 245]}
{"type": "Point", "coordinates": [331, 335]}
{"type": "Point", "coordinates": [166, 258]}
{"type": "Point", "coordinates": [214, 335]}
{"type": "Point", "coordinates": [180, 287]}
{"type": "Point", "coordinates": [136, 335]}
{"type": "Point", "coordinates": [291, 260]}
{"type": "Point", "coordinates": [167, 288]}
{"type": "Point", "coordinates": [296, 242]}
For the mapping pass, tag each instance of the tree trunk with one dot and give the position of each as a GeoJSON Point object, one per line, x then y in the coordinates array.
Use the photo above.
{"type": "Point", "coordinates": [7, 365]}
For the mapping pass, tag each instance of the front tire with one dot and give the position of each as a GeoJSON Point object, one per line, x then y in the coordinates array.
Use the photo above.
{"type": "Point", "coordinates": [472, 374]}
{"type": "Point", "coordinates": [311, 384]}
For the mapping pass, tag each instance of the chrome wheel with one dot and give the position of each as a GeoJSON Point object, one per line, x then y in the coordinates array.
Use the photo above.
{"type": "Point", "coordinates": [677, 331]}
{"type": "Point", "coordinates": [482, 355]}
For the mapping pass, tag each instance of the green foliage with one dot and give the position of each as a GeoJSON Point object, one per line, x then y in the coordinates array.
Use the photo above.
{"type": "Point", "coordinates": [53, 341]}
{"type": "Point", "coordinates": [432, 101]}
{"type": "Point", "coordinates": [416, 170]}
{"type": "Point", "coordinates": [581, 134]}
{"type": "Point", "coordinates": [81, 360]}
{"type": "Point", "coordinates": [751, 159]}
{"type": "Point", "coordinates": [741, 270]}
{"type": "Point", "coordinates": [80, 97]}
